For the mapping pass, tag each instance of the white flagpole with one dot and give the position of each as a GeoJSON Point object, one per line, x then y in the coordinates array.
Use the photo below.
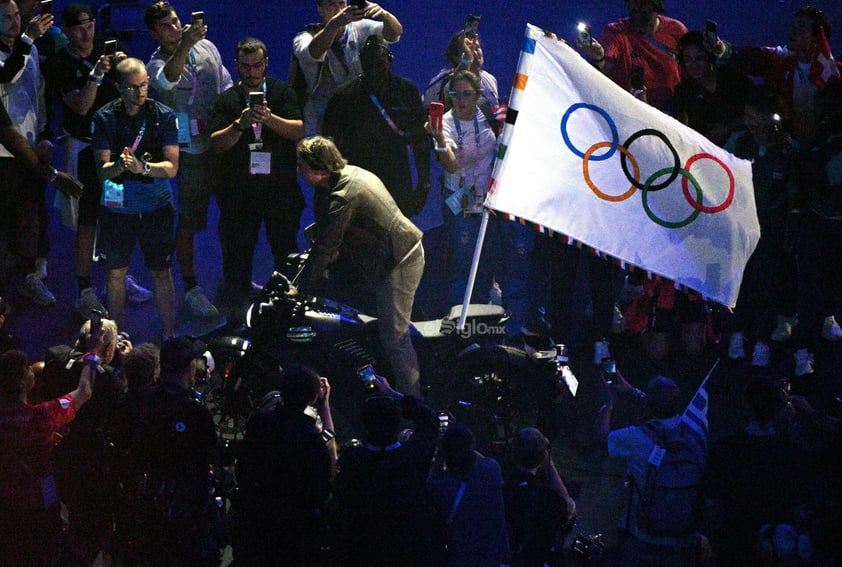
{"type": "Point", "coordinates": [472, 276]}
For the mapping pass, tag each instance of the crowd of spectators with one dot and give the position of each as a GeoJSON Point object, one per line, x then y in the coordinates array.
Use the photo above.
{"type": "Point", "coordinates": [138, 473]}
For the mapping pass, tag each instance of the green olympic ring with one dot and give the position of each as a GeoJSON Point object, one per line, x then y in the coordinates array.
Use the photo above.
{"type": "Point", "coordinates": [645, 191]}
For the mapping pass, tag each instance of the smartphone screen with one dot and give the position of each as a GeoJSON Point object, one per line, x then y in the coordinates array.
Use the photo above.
{"type": "Point", "coordinates": [436, 113]}
{"type": "Point", "coordinates": [46, 6]}
{"type": "Point", "coordinates": [636, 80]}
{"type": "Point", "coordinates": [444, 420]}
{"type": "Point", "coordinates": [110, 47]}
{"type": "Point", "coordinates": [255, 98]}
{"type": "Point", "coordinates": [96, 322]}
{"type": "Point", "coordinates": [197, 19]}
{"type": "Point", "coordinates": [471, 26]}
{"type": "Point", "coordinates": [366, 374]}
{"type": "Point", "coordinates": [584, 33]}
{"type": "Point", "coordinates": [609, 370]}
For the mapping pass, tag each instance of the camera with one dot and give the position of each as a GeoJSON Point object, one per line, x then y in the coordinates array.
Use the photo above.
{"type": "Point", "coordinates": [366, 374]}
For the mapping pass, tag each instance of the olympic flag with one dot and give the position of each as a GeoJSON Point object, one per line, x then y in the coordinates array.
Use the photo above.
{"type": "Point", "coordinates": [582, 157]}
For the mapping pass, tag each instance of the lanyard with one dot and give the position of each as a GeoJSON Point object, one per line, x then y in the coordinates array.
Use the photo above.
{"type": "Point", "coordinates": [140, 134]}
{"type": "Point", "coordinates": [194, 71]}
{"type": "Point", "coordinates": [456, 123]}
{"type": "Point", "coordinates": [388, 118]}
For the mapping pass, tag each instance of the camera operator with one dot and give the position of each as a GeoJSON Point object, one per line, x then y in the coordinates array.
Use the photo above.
{"type": "Point", "coordinates": [384, 513]}
{"type": "Point", "coordinates": [284, 475]}
{"type": "Point", "coordinates": [172, 514]}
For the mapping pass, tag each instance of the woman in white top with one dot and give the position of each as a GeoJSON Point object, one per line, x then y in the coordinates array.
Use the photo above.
{"type": "Point", "coordinates": [465, 145]}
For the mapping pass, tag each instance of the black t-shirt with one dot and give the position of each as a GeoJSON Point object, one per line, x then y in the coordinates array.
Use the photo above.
{"type": "Point", "coordinates": [65, 72]}
{"type": "Point", "coordinates": [233, 164]}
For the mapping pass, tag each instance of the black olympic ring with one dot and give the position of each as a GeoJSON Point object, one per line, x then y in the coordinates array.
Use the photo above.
{"type": "Point", "coordinates": [675, 168]}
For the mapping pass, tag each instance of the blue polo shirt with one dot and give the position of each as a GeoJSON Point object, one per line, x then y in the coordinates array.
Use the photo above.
{"type": "Point", "coordinates": [114, 129]}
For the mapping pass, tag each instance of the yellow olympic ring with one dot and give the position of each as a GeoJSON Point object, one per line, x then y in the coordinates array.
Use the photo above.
{"type": "Point", "coordinates": [594, 188]}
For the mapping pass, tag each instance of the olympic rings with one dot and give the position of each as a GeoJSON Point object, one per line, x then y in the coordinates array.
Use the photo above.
{"type": "Point", "coordinates": [615, 135]}
{"type": "Point", "coordinates": [676, 159]}
{"type": "Point", "coordinates": [586, 173]}
{"type": "Point", "coordinates": [634, 177]}
{"type": "Point", "coordinates": [667, 224]}
{"type": "Point", "coordinates": [698, 203]}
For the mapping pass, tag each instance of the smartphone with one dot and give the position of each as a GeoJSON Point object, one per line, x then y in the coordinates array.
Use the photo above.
{"type": "Point", "coordinates": [255, 98]}
{"type": "Point", "coordinates": [366, 374]}
{"type": "Point", "coordinates": [359, 4]}
{"type": "Point", "coordinates": [444, 420]}
{"type": "Point", "coordinates": [435, 114]}
{"type": "Point", "coordinates": [471, 26]}
{"type": "Point", "coordinates": [609, 370]}
{"type": "Point", "coordinates": [786, 386]}
{"type": "Point", "coordinates": [96, 322]}
{"type": "Point", "coordinates": [711, 34]}
{"type": "Point", "coordinates": [46, 6]}
{"type": "Point", "coordinates": [197, 19]}
{"type": "Point", "coordinates": [584, 33]}
{"type": "Point", "coordinates": [110, 48]}
{"type": "Point", "coordinates": [636, 80]}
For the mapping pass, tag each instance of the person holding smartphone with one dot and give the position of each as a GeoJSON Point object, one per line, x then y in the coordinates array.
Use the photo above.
{"type": "Point", "coordinates": [326, 55]}
{"type": "Point", "coordinates": [256, 182]}
{"type": "Point", "coordinates": [465, 145]}
{"type": "Point", "coordinates": [187, 74]}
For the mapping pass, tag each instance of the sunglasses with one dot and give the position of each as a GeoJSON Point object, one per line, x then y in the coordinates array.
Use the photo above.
{"type": "Point", "coordinates": [462, 94]}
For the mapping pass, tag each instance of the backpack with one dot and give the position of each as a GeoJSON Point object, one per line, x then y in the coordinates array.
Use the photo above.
{"type": "Point", "coordinates": [296, 78]}
{"type": "Point", "coordinates": [669, 499]}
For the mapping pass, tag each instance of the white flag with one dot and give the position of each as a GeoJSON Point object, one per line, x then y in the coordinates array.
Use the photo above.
{"type": "Point", "coordinates": [582, 157]}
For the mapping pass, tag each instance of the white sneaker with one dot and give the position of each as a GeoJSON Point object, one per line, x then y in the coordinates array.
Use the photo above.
{"type": "Point", "coordinates": [600, 351]}
{"type": "Point", "coordinates": [199, 305]}
{"type": "Point", "coordinates": [783, 332]}
{"type": "Point", "coordinates": [88, 301]}
{"type": "Point", "coordinates": [760, 356]}
{"type": "Point", "coordinates": [135, 292]}
{"type": "Point", "coordinates": [830, 329]}
{"type": "Point", "coordinates": [33, 287]}
{"type": "Point", "coordinates": [41, 268]}
{"type": "Point", "coordinates": [737, 346]}
{"type": "Point", "coordinates": [803, 362]}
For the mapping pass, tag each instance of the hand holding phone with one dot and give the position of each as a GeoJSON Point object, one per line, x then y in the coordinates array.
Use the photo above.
{"type": "Point", "coordinates": [471, 26]}
{"type": "Point", "coordinates": [366, 374]}
{"type": "Point", "coordinates": [609, 370]}
{"type": "Point", "coordinates": [435, 114]}
{"type": "Point", "coordinates": [444, 420]}
{"type": "Point", "coordinates": [96, 326]}
{"type": "Point", "coordinates": [583, 31]}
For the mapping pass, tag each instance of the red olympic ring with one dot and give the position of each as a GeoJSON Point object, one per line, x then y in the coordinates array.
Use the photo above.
{"type": "Point", "coordinates": [686, 190]}
{"type": "Point", "coordinates": [594, 188]}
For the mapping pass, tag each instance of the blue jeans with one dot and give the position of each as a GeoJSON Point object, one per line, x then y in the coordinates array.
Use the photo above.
{"type": "Point", "coordinates": [462, 232]}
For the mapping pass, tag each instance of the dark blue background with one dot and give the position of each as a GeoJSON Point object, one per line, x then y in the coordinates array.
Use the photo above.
{"type": "Point", "coordinates": [428, 26]}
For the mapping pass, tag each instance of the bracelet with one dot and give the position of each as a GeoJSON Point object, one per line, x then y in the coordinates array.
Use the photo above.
{"type": "Point", "coordinates": [237, 128]}
{"type": "Point", "coordinates": [53, 175]}
{"type": "Point", "coordinates": [441, 149]}
{"type": "Point", "coordinates": [96, 78]}
{"type": "Point", "coordinates": [465, 60]}
{"type": "Point", "coordinates": [327, 435]}
{"type": "Point", "coordinates": [92, 357]}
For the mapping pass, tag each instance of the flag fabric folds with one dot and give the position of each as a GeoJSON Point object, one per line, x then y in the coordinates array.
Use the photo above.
{"type": "Point", "coordinates": [582, 157]}
{"type": "Point", "coordinates": [823, 69]}
{"type": "Point", "coordinates": [695, 417]}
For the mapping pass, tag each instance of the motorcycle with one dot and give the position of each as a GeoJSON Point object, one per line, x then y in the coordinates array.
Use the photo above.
{"type": "Point", "coordinates": [467, 371]}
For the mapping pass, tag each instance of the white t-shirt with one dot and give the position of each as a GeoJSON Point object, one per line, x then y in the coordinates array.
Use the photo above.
{"type": "Point", "coordinates": [474, 144]}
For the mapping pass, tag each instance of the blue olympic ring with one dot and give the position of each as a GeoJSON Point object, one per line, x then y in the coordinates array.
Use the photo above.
{"type": "Point", "coordinates": [615, 135]}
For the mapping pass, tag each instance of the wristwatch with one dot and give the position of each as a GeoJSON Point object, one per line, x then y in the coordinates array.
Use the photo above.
{"type": "Point", "coordinates": [147, 169]}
